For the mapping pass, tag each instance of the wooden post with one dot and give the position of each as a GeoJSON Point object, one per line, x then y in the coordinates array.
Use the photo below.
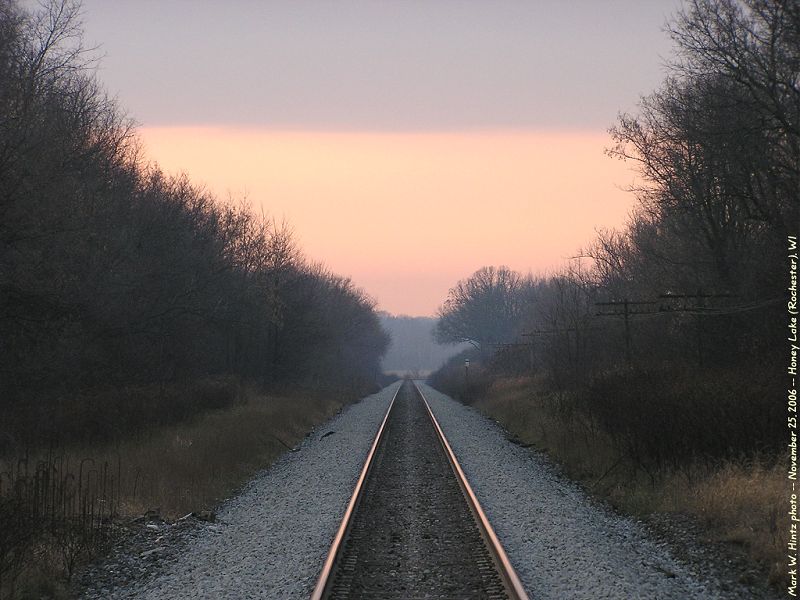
{"type": "Point", "coordinates": [699, 327]}
{"type": "Point", "coordinates": [531, 355]}
{"type": "Point", "coordinates": [627, 334]}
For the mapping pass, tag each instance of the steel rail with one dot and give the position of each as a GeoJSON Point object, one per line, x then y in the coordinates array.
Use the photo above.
{"type": "Point", "coordinates": [507, 573]}
{"type": "Point", "coordinates": [327, 569]}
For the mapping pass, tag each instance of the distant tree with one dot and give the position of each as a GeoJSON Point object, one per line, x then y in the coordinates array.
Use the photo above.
{"type": "Point", "coordinates": [484, 309]}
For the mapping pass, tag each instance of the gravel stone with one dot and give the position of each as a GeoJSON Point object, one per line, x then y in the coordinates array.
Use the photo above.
{"type": "Point", "coordinates": [271, 540]}
{"type": "Point", "coordinates": [562, 543]}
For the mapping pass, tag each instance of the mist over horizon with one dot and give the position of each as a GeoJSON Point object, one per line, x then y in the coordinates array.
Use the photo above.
{"type": "Point", "coordinates": [412, 348]}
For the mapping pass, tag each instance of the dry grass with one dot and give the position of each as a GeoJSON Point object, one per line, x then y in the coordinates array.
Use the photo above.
{"type": "Point", "coordinates": [188, 467]}
{"type": "Point", "coordinates": [546, 420]}
{"type": "Point", "coordinates": [744, 504]}
{"type": "Point", "coordinates": [195, 465]}
{"type": "Point", "coordinates": [741, 503]}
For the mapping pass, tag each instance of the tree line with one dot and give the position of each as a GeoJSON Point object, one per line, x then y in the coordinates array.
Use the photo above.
{"type": "Point", "coordinates": [115, 276]}
{"type": "Point", "coordinates": [668, 329]}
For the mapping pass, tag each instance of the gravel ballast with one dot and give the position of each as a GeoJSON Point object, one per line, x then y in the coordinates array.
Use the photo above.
{"type": "Point", "coordinates": [561, 542]}
{"type": "Point", "coordinates": [413, 535]}
{"type": "Point", "coordinates": [271, 540]}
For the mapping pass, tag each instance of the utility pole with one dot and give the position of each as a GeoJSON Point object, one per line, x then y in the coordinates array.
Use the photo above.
{"type": "Point", "coordinates": [628, 310]}
{"type": "Point", "coordinates": [531, 356]}
{"type": "Point", "coordinates": [626, 313]}
{"type": "Point", "coordinates": [701, 304]}
{"type": "Point", "coordinates": [627, 332]}
{"type": "Point", "coordinates": [701, 307]}
{"type": "Point", "coordinates": [557, 331]}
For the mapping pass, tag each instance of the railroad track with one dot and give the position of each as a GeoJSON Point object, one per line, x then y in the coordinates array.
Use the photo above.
{"type": "Point", "coordinates": [413, 527]}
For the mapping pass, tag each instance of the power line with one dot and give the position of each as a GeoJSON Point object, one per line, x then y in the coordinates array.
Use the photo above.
{"type": "Point", "coordinates": [699, 310]}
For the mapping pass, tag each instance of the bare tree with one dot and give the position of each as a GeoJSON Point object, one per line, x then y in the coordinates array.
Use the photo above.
{"type": "Point", "coordinates": [719, 145]}
{"type": "Point", "coordinates": [484, 309]}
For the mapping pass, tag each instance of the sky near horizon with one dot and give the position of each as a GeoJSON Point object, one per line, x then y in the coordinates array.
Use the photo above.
{"type": "Point", "coordinates": [407, 143]}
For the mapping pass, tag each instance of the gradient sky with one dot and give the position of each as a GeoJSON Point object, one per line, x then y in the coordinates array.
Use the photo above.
{"type": "Point", "coordinates": [408, 143]}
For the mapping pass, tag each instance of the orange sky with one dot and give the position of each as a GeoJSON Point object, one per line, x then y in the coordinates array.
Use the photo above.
{"type": "Point", "coordinates": [408, 214]}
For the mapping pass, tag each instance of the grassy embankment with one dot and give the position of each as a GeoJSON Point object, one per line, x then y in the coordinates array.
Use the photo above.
{"type": "Point", "coordinates": [738, 501]}
{"type": "Point", "coordinates": [174, 469]}
{"type": "Point", "coordinates": [195, 465]}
